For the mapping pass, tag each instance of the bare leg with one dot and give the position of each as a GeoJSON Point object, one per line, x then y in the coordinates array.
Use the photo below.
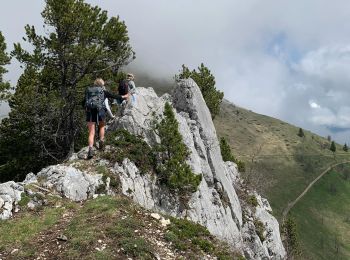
{"type": "Point", "coordinates": [101, 126]}
{"type": "Point", "coordinates": [91, 127]}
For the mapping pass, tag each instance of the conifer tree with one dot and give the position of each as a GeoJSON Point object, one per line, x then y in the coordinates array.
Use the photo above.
{"type": "Point", "coordinates": [226, 150]}
{"type": "Point", "coordinates": [345, 147]}
{"type": "Point", "coordinates": [333, 148]}
{"type": "Point", "coordinates": [206, 83]}
{"type": "Point", "coordinates": [172, 154]}
{"type": "Point", "coordinates": [4, 60]}
{"type": "Point", "coordinates": [81, 43]}
{"type": "Point", "coordinates": [301, 133]}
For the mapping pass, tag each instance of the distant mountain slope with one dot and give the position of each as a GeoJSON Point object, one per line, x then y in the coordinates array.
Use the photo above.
{"type": "Point", "coordinates": [279, 162]}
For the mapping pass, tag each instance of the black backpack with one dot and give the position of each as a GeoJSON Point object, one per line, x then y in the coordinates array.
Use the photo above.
{"type": "Point", "coordinates": [123, 88]}
{"type": "Point", "coordinates": [94, 98]}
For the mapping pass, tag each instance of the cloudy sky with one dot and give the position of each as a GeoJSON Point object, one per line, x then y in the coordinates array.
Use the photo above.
{"type": "Point", "coordinates": [286, 59]}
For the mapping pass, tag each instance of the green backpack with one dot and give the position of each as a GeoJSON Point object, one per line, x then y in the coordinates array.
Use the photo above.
{"type": "Point", "coordinates": [94, 98]}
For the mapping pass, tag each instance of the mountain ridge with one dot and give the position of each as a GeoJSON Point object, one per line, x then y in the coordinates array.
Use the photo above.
{"type": "Point", "coordinates": [250, 229]}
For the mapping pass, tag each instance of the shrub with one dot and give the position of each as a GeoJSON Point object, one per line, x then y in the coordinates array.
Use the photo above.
{"type": "Point", "coordinates": [126, 145]}
{"type": "Point", "coordinates": [259, 229]}
{"type": "Point", "coordinates": [252, 200]}
{"type": "Point", "coordinates": [185, 234]}
{"type": "Point", "coordinates": [292, 239]}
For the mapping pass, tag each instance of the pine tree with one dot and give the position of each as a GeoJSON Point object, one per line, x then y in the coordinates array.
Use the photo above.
{"type": "Point", "coordinates": [345, 147]}
{"type": "Point", "coordinates": [206, 83]}
{"type": "Point", "coordinates": [172, 154]}
{"type": "Point", "coordinates": [227, 155]}
{"type": "Point", "coordinates": [81, 43]}
{"type": "Point", "coordinates": [333, 148]}
{"type": "Point", "coordinates": [4, 60]}
{"type": "Point", "coordinates": [226, 150]}
{"type": "Point", "coordinates": [301, 133]}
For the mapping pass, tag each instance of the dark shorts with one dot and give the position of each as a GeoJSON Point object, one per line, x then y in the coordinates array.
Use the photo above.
{"type": "Point", "coordinates": [93, 115]}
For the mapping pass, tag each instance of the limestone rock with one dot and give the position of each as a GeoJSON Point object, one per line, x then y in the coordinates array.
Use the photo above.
{"type": "Point", "coordinates": [273, 243]}
{"type": "Point", "coordinates": [10, 195]}
{"type": "Point", "coordinates": [215, 204]}
{"type": "Point", "coordinates": [30, 178]}
{"type": "Point", "coordinates": [70, 182]}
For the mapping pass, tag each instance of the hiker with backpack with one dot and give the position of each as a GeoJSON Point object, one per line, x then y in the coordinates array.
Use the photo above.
{"type": "Point", "coordinates": [94, 103]}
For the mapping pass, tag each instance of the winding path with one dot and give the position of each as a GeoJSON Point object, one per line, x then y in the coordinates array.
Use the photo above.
{"type": "Point", "coordinates": [292, 204]}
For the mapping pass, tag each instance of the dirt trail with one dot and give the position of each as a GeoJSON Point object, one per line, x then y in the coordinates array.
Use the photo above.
{"type": "Point", "coordinates": [292, 204]}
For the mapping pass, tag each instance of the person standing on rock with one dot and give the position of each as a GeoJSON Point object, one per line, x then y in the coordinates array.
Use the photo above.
{"type": "Point", "coordinates": [94, 103]}
{"type": "Point", "coordinates": [132, 88]}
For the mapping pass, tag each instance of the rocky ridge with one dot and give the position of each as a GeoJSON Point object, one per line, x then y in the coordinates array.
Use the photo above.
{"type": "Point", "coordinates": [215, 205]}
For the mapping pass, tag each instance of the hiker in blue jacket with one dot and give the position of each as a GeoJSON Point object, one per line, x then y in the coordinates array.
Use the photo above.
{"type": "Point", "coordinates": [96, 111]}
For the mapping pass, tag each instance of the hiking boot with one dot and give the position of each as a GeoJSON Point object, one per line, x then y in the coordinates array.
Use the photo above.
{"type": "Point", "coordinates": [101, 145]}
{"type": "Point", "coordinates": [90, 153]}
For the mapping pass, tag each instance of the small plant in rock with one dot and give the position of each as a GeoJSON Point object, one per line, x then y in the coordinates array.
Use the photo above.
{"type": "Point", "coordinates": [252, 200]}
{"type": "Point", "coordinates": [113, 178]}
{"type": "Point", "coordinates": [259, 229]}
{"type": "Point", "coordinates": [126, 145]}
{"type": "Point", "coordinates": [185, 234]}
{"type": "Point", "coordinates": [172, 153]}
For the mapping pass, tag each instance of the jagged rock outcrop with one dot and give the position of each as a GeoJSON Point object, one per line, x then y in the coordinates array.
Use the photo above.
{"type": "Point", "coordinates": [214, 205]}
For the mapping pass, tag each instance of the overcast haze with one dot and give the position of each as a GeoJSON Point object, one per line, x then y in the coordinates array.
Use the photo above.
{"type": "Point", "coordinates": [288, 60]}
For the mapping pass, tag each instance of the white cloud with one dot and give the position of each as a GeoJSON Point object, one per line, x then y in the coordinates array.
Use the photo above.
{"type": "Point", "coordinates": [269, 56]}
{"type": "Point", "coordinates": [313, 104]}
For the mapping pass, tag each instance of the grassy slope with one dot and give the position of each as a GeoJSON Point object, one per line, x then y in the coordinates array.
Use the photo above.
{"type": "Point", "coordinates": [279, 162]}
{"type": "Point", "coordinates": [323, 218]}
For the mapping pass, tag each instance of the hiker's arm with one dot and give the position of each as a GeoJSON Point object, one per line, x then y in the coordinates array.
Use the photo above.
{"type": "Point", "coordinates": [108, 108]}
{"type": "Point", "coordinates": [115, 96]}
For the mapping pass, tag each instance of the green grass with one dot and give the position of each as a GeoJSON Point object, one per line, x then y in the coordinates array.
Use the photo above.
{"type": "Point", "coordinates": [323, 218]}
{"type": "Point", "coordinates": [100, 219]}
{"type": "Point", "coordinates": [17, 232]}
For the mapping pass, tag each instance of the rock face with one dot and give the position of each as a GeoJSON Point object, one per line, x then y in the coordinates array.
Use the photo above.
{"type": "Point", "coordinates": [215, 204]}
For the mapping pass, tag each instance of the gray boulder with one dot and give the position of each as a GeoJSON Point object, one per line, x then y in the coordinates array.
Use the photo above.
{"type": "Point", "coordinates": [10, 195]}
{"type": "Point", "coordinates": [70, 182]}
